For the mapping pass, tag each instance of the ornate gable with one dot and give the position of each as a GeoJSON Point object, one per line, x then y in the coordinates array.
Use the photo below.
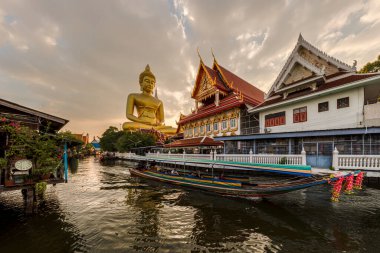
{"type": "Point", "coordinates": [204, 85]}
{"type": "Point", "coordinates": [217, 68]}
{"type": "Point", "coordinates": [298, 72]}
{"type": "Point", "coordinates": [307, 62]}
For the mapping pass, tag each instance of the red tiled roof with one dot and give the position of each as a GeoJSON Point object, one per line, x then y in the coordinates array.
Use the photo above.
{"type": "Point", "coordinates": [229, 102]}
{"type": "Point", "coordinates": [325, 86]}
{"type": "Point", "coordinates": [198, 141]}
{"type": "Point", "coordinates": [219, 82]}
{"type": "Point", "coordinates": [250, 94]}
{"type": "Point", "coordinates": [248, 90]}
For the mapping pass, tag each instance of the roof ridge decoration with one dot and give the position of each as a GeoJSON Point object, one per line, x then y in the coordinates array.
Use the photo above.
{"type": "Point", "coordinates": [298, 59]}
{"type": "Point", "coordinates": [216, 65]}
{"type": "Point", "coordinates": [203, 66]}
{"type": "Point", "coordinates": [340, 63]}
{"type": "Point", "coordinates": [290, 63]}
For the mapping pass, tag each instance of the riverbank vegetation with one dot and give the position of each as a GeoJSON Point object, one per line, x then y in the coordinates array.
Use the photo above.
{"type": "Point", "coordinates": [42, 149]}
{"type": "Point", "coordinates": [114, 140]}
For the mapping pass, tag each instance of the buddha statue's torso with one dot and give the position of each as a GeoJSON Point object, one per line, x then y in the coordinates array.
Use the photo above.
{"type": "Point", "coordinates": [146, 107]}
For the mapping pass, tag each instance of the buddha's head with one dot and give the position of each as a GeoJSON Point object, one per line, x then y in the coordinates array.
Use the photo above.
{"type": "Point", "coordinates": [147, 80]}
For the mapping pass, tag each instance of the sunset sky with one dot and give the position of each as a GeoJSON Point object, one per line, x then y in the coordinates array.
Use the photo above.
{"type": "Point", "coordinates": [79, 60]}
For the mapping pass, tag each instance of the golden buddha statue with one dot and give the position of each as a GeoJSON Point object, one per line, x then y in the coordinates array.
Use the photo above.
{"type": "Point", "coordinates": [150, 110]}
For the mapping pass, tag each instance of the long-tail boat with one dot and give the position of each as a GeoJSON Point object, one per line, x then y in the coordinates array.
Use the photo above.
{"type": "Point", "coordinates": [234, 188]}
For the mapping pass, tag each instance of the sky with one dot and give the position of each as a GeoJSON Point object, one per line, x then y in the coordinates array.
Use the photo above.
{"type": "Point", "coordinates": [79, 60]}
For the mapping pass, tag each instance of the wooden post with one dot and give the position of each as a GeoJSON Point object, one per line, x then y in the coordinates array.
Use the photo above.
{"type": "Point", "coordinates": [250, 156]}
{"type": "Point", "coordinates": [184, 154]}
{"type": "Point", "coordinates": [212, 171]}
{"type": "Point", "coordinates": [30, 200]}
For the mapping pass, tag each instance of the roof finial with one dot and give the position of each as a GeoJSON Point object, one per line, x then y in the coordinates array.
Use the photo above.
{"type": "Point", "coordinates": [354, 64]}
{"type": "Point", "coordinates": [212, 52]}
{"type": "Point", "coordinates": [300, 38]}
{"type": "Point", "coordinates": [200, 57]}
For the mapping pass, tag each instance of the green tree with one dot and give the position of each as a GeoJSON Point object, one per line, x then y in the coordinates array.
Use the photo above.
{"type": "Point", "coordinates": [371, 67]}
{"type": "Point", "coordinates": [68, 137]}
{"type": "Point", "coordinates": [87, 149]}
{"type": "Point", "coordinates": [42, 148]}
{"type": "Point", "coordinates": [109, 138]}
{"type": "Point", "coordinates": [131, 140]}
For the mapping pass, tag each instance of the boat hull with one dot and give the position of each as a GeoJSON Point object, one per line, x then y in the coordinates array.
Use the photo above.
{"type": "Point", "coordinates": [227, 188]}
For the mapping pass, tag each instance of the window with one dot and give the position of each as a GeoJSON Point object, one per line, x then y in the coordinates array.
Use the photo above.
{"type": "Point", "coordinates": [202, 129]}
{"type": "Point", "coordinates": [233, 123]}
{"type": "Point", "coordinates": [208, 128]}
{"type": "Point", "coordinates": [300, 115]}
{"type": "Point", "coordinates": [343, 102]}
{"type": "Point", "coordinates": [224, 124]}
{"type": "Point", "coordinates": [323, 107]}
{"type": "Point", "coordinates": [216, 126]}
{"type": "Point", "coordinates": [195, 130]}
{"type": "Point", "coordinates": [275, 119]}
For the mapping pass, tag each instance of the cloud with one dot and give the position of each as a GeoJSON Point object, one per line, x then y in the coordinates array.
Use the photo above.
{"type": "Point", "coordinates": [80, 59]}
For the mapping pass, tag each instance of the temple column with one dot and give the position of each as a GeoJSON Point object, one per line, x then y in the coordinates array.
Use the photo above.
{"type": "Point", "coordinates": [217, 98]}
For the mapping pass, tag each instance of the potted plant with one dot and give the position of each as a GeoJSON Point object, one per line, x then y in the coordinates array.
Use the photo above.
{"type": "Point", "coordinates": [40, 188]}
{"type": "Point", "coordinates": [46, 167]}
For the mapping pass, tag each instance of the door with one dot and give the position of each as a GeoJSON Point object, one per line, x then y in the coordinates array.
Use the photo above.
{"type": "Point", "coordinates": [324, 158]}
{"type": "Point", "coordinates": [311, 153]}
{"type": "Point", "coordinates": [319, 154]}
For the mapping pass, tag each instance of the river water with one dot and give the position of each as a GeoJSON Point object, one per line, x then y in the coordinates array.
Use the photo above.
{"type": "Point", "coordinates": [103, 209]}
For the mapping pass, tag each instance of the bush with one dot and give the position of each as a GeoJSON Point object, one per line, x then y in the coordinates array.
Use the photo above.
{"type": "Point", "coordinates": [3, 163]}
{"type": "Point", "coordinates": [41, 188]}
{"type": "Point", "coordinates": [283, 160]}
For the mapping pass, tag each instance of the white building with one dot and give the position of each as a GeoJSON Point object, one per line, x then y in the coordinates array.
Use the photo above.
{"type": "Point", "coordinates": [317, 103]}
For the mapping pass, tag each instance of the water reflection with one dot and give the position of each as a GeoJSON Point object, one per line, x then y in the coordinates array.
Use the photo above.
{"type": "Point", "coordinates": [146, 207]}
{"type": "Point", "coordinates": [73, 165]}
{"type": "Point", "coordinates": [300, 221]}
{"type": "Point", "coordinates": [46, 231]}
{"type": "Point", "coordinates": [103, 209]}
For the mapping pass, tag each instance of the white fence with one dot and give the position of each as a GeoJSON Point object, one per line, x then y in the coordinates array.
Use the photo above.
{"type": "Point", "coordinates": [356, 162]}
{"type": "Point", "coordinates": [124, 155]}
{"type": "Point", "coordinates": [351, 162]}
{"type": "Point", "coordinates": [181, 156]}
{"type": "Point", "coordinates": [246, 158]}
{"type": "Point", "coordinates": [263, 158]}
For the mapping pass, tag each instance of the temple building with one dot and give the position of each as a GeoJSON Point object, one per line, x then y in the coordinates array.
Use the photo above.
{"type": "Point", "coordinates": [317, 103]}
{"type": "Point", "coordinates": [222, 100]}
